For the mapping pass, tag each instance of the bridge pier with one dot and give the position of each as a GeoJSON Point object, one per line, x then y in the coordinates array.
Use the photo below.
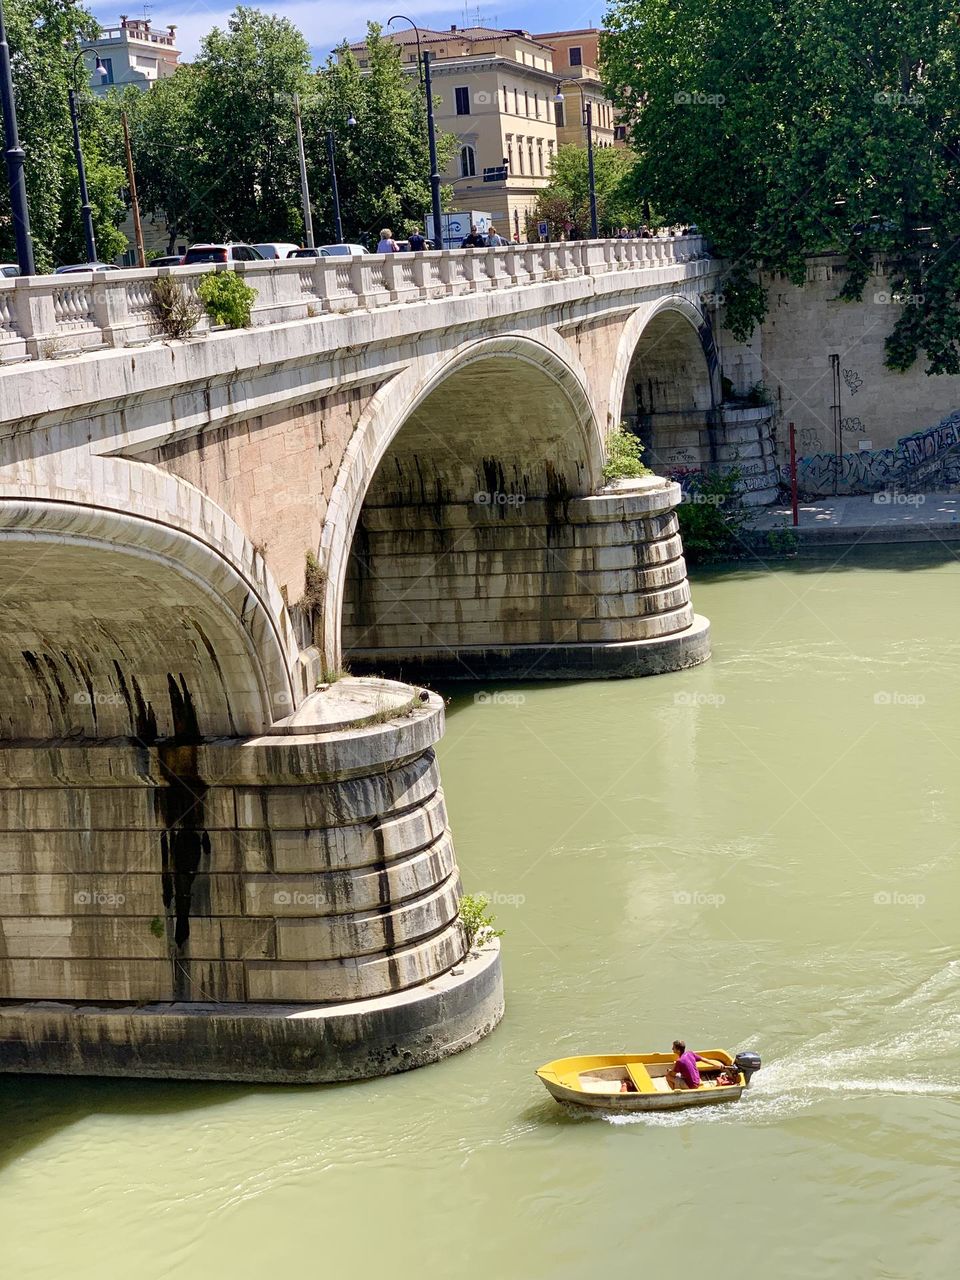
{"type": "Point", "coordinates": [520, 589]}
{"type": "Point", "coordinates": [283, 907]}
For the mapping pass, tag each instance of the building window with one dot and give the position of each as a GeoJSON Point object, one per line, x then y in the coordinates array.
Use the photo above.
{"type": "Point", "coordinates": [576, 56]}
{"type": "Point", "coordinates": [463, 101]}
{"type": "Point", "coordinates": [516, 102]}
{"type": "Point", "coordinates": [530, 156]}
{"type": "Point", "coordinates": [505, 107]}
{"type": "Point", "coordinates": [520, 153]}
{"type": "Point", "coordinates": [526, 103]}
{"type": "Point", "coordinates": [540, 156]}
{"type": "Point", "coordinates": [108, 67]}
{"type": "Point", "coordinates": [619, 133]}
{"type": "Point", "coordinates": [509, 157]}
{"type": "Point", "coordinates": [558, 114]}
{"type": "Point", "coordinates": [468, 162]}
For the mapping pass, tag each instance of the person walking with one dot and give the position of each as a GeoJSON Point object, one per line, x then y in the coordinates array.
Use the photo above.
{"type": "Point", "coordinates": [474, 240]}
{"type": "Point", "coordinates": [494, 239]}
{"type": "Point", "coordinates": [416, 241]}
{"type": "Point", "coordinates": [387, 243]}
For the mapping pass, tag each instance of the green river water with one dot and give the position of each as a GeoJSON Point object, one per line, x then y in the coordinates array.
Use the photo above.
{"type": "Point", "coordinates": [760, 853]}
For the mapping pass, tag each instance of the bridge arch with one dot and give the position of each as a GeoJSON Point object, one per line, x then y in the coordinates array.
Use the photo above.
{"type": "Point", "coordinates": [666, 383]}
{"type": "Point", "coordinates": [123, 625]}
{"type": "Point", "coordinates": [507, 416]}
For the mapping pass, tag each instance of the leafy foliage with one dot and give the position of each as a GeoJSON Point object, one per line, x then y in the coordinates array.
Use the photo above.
{"type": "Point", "coordinates": [567, 198]}
{"type": "Point", "coordinates": [789, 129]}
{"type": "Point", "coordinates": [624, 456]}
{"type": "Point", "coordinates": [713, 521]}
{"type": "Point", "coordinates": [43, 35]}
{"type": "Point", "coordinates": [177, 312]}
{"type": "Point", "coordinates": [227, 299]}
{"type": "Point", "coordinates": [383, 161]}
{"type": "Point", "coordinates": [167, 149]}
{"type": "Point", "coordinates": [477, 921]}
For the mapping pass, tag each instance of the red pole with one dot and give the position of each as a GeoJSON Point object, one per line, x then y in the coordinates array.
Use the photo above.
{"type": "Point", "coordinates": [793, 475]}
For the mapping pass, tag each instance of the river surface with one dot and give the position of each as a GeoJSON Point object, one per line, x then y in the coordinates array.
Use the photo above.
{"type": "Point", "coordinates": [760, 853]}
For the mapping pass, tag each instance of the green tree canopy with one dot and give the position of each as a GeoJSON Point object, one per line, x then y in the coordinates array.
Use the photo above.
{"type": "Point", "coordinates": [43, 40]}
{"type": "Point", "coordinates": [784, 129]}
{"type": "Point", "coordinates": [383, 161]}
{"type": "Point", "coordinates": [567, 198]}
{"type": "Point", "coordinates": [245, 172]}
{"type": "Point", "coordinates": [168, 152]}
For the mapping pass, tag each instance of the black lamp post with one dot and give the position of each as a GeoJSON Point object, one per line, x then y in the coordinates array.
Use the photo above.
{"type": "Point", "coordinates": [587, 108]}
{"type": "Point", "coordinates": [334, 189]}
{"type": "Point", "coordinates": [86, 212]}
{"type": "Point", "coordinates": [423, 60]}
{"type": "Point", "coordinates": [14, 156]}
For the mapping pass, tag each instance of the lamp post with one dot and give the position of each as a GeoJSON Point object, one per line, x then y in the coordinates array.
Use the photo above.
{"type": "Point", "coordinates": [334, 190]}
{"type": "Point", "coordinates": [304, 184]}
{"type": "Point", "coordinates": [423, 60]}
{"type": "Point", "coordinates": [86, 213]}
{"type": "Point", "coordinates": [587, 108]}
{"type": "Point", "coordinates": [14, 156]}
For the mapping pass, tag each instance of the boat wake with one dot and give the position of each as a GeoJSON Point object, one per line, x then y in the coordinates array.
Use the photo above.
{"type": "Point", "coordinates": [900, 1046]}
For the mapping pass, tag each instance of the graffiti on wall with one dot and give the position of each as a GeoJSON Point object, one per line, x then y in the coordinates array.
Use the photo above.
{"type": "Point", "coordinates": [871, 469]}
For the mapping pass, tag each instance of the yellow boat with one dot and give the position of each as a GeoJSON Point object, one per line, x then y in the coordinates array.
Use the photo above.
{"type": "Point", "coordinates": [626, 1082]}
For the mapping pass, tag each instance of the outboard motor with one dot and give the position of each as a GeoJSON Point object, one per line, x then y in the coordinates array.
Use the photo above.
{"type": "Point", "coordinates": [748, 1063]}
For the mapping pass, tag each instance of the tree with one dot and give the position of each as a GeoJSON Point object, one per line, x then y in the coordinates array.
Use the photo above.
{"type": "Point", "coordinates": [167, 151]}
{"type": "Point", "coordinates": [383, 161]}
{"type": "Point", "coordinates": [789, 129]}
{"type": "Point", "coordinates": [244, 168]}
{"type": "Point", "coordinates": [43, 38]}
{"type": "Point", "coordinates": [567, 198]}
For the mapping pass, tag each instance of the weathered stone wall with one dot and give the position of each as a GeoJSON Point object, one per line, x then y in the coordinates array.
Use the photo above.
{"type": "Point", "coordinates": [875, 409]}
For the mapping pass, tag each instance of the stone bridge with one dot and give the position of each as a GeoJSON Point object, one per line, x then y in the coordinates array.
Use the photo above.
{"type": "Point", "coordinates": [397, 467]}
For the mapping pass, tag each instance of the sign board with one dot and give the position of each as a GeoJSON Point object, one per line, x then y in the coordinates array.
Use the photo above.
{"type": "Point", "coordinates": [543, 230]}
{"type": "Point", "coordinates": [499, 174]}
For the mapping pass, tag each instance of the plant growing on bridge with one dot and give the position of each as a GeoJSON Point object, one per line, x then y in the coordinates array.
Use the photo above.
{"type": "Point", "coordinates": [177, 312]}
{"type": "Point", "coordinates": [477, 921]}
{"type": "Point", "coordinates": [713, 521]}
{"type": "Point", "coordinates": [624, 456]}
{"type": "Point", "coordinates": [227, 299]}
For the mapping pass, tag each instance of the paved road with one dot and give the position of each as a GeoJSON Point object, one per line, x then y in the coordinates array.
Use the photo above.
{"type": "Point", "coordinates": [880, 517]}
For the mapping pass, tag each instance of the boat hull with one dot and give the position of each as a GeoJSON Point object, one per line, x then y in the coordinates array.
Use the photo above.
{"type": "Point", "coordinates": [593, 1083]}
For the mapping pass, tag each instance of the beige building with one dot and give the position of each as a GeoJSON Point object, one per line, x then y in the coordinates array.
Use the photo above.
{"type": "Point", "coordinates": [132, 53]}
{"type": "Point", "coordinates": [576, 56]}
{"type": "Point", "coordinates": [495, 91]}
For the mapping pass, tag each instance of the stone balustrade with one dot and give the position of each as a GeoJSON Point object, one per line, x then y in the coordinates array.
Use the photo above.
{"type": "Point", "coordinates": [44, 317]}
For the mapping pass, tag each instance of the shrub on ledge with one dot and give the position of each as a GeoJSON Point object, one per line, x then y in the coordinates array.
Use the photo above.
{"type": "Point", "coordinates": [227, 299]}
{"type": "Point", "coordinates": [624, 456]}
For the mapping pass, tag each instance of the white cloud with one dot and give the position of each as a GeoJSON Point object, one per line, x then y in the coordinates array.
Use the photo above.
{"type": "Point", "coordinates": [324, 25]}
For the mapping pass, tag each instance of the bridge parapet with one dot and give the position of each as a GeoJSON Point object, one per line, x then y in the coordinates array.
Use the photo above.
{"type": "Point", "coordinates": [50, 316]}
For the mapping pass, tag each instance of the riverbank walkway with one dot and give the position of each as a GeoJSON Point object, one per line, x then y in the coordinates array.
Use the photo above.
{"type": "Point", "coordinates": [878, 517]}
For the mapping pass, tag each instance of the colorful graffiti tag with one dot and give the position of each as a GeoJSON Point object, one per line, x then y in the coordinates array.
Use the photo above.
{"type": "Point", "coordinates": [871, 469]}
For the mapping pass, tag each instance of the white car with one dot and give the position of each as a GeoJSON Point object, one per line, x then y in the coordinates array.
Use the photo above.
{"type": "Point", "coordinates": [329, 251]}
{"type": "Point", "coordinates": [275, 249]}
{"type": "Point", "coordinates": [8, 269]}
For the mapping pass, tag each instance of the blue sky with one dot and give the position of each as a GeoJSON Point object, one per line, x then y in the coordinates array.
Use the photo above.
{"type": "Point", "coordinates": [329, 21]}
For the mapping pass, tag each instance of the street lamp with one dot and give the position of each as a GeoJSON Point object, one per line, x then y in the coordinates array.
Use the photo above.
{"type": "Point", "coordinates": [587, 108]}
{"type": "Point", "coordinates": [334, 190]}
{"type": "Point", "coordinates": [14, 156]}
{"type": "Point", "coordinates": [423, 60]}
{"type": "Point", "coordinates": [86, 212]}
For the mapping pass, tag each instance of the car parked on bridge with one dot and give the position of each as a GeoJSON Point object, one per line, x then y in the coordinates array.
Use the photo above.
{"type": "Point", "coordinates": [85, 266]}
{"type": "Point", "coordinates": [329, 251]}
{"type": "Point", "coordinates": [9, 269]}
{"type": "Point", "coordinates": [274, 249]}
{"type": "Point", "coordinates": [166, 260]}
{"type": "Point", "coordinates": [227, 252]}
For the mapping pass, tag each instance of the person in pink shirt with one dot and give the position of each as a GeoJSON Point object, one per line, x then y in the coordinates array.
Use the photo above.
{"type": "Point", "coordinates": [683, 1074]}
